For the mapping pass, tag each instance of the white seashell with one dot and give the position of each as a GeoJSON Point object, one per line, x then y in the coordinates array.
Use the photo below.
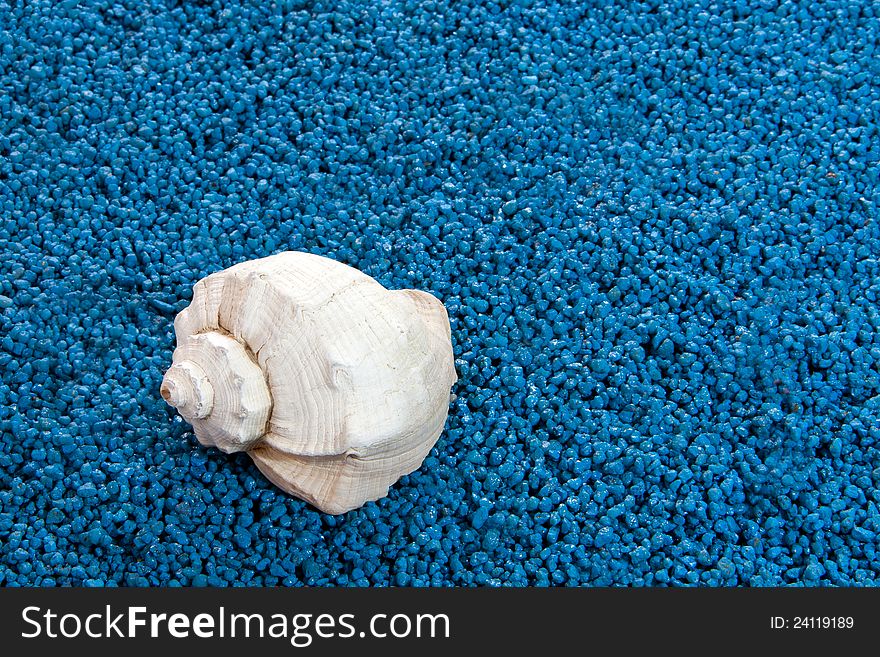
{"type": "Point", "coordinates": [335, 386]}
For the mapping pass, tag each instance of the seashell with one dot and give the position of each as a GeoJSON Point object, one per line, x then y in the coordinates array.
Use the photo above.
{"type": "Point", "coordinates": [335, 386]}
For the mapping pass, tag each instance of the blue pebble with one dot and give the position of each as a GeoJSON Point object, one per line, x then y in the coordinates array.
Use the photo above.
{"type": "Point", "coordinates": [87, 490]}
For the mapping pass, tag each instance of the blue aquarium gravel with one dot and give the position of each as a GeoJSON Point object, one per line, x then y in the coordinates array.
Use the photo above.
{"type": "Point", "coordinates": [654, 226]}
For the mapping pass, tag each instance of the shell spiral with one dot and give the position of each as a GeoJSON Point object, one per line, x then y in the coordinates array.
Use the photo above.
{"type": "Point", "coordinates": [335, 386]}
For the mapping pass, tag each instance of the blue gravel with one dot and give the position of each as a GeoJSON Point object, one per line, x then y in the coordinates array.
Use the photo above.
{"type": "Point", "coordinates": [654, 225]}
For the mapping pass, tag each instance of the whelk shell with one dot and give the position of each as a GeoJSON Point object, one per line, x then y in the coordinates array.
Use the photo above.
{"type": "Point", "coordinates": [335, 386]}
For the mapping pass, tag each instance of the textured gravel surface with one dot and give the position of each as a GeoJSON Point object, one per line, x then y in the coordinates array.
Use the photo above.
{"type": "Point", "coordinates": [654, 226]}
